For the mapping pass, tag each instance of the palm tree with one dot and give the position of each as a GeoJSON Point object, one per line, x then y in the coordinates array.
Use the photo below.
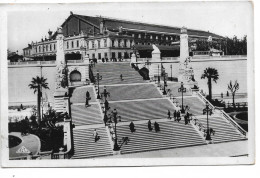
{"type": "Point", "coordinates": [233, 89]}
{"type": "Point", "coordinates": [37, 84]}
{"type": "Point", "coordinates": [210, 73]}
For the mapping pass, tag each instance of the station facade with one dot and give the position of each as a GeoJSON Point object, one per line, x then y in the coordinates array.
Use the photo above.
{"type": "Point", "coordinates": [107, 38]}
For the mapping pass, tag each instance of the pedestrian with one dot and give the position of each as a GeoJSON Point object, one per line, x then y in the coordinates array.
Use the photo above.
{"type": "Point", "coordinates": [150, 126]}
{"type": "Point", "coordinates": [106, 106]}
{"type": "Point", "coordinates": [121, 77]}
{"type": "Point", "coordinates": [175, 115]}
{"type": "Point", "coordinates": [87, 98]}
{"type": "Point", "coordinates": [156, 127]}
{"type": "Point", "coordinates": [185, 120]}
{"type": "Point", "coordinates": [178, 116]}
{"type": "Point", "coordinates": [95, 134]}
{"type": "Point", "coordinates": [169, 114]}
{"type": "Point", "coordinates": [132, 127]}
{"type": "Point", "coordinates": [105, 119]}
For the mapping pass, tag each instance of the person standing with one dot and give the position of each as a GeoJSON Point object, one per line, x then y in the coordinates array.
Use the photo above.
{"type": "Point", "coordinates": [87, 98]}
{"type": "Point", "coordinates": [105, 119]}
{"type": "Point", "coordinates": [175, 115]}
{"type": "Point", "coordinates": [169, 114]}
{"type": "Point", "coordinates": [132, 127]}
{"type": "Point", "coordinates": [150, 126]}
{"type": "Point", "coordinates": [156, 127]}
{"type": "Point", "coordinates": [121, 77]}
{"type": "Point", "coordinates": [178, 116]}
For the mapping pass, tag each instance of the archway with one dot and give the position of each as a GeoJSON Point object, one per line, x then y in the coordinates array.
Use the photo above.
{"type": "Point", "coordinates": [75, 76]}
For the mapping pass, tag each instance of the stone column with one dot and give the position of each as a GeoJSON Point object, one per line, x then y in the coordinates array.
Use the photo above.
{"type": "Point", "coordinates": [186, 72]}
{"type": "Point", "coordinates": [155, 62]}
{"type": "Point", "coordinates": [61, 82]}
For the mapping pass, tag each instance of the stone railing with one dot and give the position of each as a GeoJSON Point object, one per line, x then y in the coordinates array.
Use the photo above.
{"type": "Point", "coordinates": [198, 124]}
{"type": "Point", "coordinates": [31, 62]}
{"type": "Point", "coordinates": [225, 115]}
{"type": "Point", "coordinates": [169, 58]}
{"type": "Point", "coordinates": [205, 100]}
{"type": "Point", "coordinates": [75, 61]}
{"type": "Point", "coordinates": [143, 59]}
{"type": "Point", "coordinates": [232, 122]}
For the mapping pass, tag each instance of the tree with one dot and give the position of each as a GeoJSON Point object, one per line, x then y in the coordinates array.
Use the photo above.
{"type": "Point", "coordinates": [233, 89]}
{"type": "Point", "coordinates": [37, 84]}
{"type": "Point", "coordinates": [210, 74]}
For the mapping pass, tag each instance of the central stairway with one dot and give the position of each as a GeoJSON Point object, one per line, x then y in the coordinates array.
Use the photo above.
{"type": "Point", "coordinates": [172, 134]}
{"type": "Point", "coordinates": [111, 72]}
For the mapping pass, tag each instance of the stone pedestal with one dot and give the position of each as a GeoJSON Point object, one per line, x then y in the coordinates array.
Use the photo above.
{"type": "Point", "coordinates": [155, 69]}
{"type": "Point", "coordinates": [133, 58]}
{"type": "Point", "coordinates": [186, 73]}
{"type": "Point", "coordinates": [61, 82]}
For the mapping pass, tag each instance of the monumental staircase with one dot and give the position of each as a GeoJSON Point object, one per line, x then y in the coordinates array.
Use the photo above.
{"type": "Point", "coordinates": [139, 102]}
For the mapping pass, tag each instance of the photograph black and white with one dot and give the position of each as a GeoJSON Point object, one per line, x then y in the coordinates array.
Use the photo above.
{"type": "Point", "coordinates": [94, 84]}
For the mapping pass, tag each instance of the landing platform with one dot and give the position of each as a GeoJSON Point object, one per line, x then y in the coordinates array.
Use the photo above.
{"type": "Point", "coordinates": [229, 149]}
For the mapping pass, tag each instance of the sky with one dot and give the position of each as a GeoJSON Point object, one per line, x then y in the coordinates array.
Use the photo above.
{"type": "Point", "coordinates": [27, 23]}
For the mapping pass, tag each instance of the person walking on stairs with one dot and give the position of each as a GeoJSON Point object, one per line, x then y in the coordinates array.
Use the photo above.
{"type": "Point", "coordinates": [132, 127]}
{"type": "Point", "coordinates": [121, 77]}
{"type": "Point", "coordinates": [150, 126]}
{"type": "Point", "coordinates": [95, 134]}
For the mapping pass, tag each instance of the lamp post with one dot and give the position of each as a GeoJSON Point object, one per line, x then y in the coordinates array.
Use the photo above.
{"type": "Point", "coordinates": [98, 77]}
{"type": "Point", "coordinates": [158, 75]}
{"type": "Point", "coordinates": [209, 112]}
{"type": "Point", "coordinates": [116, 118]}
{"type": "Point", "coordinates": [171, 71]}
{"type": "Point", "coordinates": [105, 93]}
{"type": "Point", "coordinates": [164, 83]}
{"type": "Point", "coordinates": [182, 90]}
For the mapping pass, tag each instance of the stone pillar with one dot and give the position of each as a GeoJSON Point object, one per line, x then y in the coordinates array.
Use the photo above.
{"type": "Point", "coordinates": [155, 62]}
{"type": "Point", "coordinates": [133, 58]}
{"type": "Point", "coordinates": [61, 82]}
{"type": "Point", "coordinates": [186, 73]}
{"type": "Point", "coordinates": [86, 68]}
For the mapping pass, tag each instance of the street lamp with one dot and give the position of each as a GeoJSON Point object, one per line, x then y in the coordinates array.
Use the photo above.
{"type": "Point", "coordinates": [158, 75]}
{"type": "Point", "coordinates": [98, 77]}
{"type": "Point", "coordinates": [209, 112]}
{"type": "Point", "coordinates": [164, 83]}
{"type": "Point", "coordinates": [182, 90]}
{"type": "Point", "coordinates": [171, 71]}
{"type": "Point", "coordinates": [116, 118]}
{"type": "Point", "coordinates": [105, 93]}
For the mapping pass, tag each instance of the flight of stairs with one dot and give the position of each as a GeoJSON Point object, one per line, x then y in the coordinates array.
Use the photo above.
{"type": "Point", "coordinates": [86, 147]}
{"type": "Point", "coordinates": [143, 110]}
{"type": "Point", "coordinates": [131, 92]}
{"type": "Point", "coordinates": [82, 115]}
{"type": "Point", "coordinates": [224, 131]}
{"type": "Point", "coordinates": [172, 135]}
{"type": "Point", "coordinates": [111, 72]}
{"type": "Point", "coordinates": [79, 94]}
{"type": "Point", "coordinates": [195, 104]}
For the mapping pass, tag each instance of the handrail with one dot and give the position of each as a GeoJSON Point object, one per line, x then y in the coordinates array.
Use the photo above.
{"type": "Point", "coordinates": [236, 125]}
{"type": "Point", "coordinates": [75, 61]}
{"type": "Point", "coordinates": [226, 116]}
{"type": "Point", "coordinates": [205, 100]}
{"type": "Point", "coordinates": [197, 123]}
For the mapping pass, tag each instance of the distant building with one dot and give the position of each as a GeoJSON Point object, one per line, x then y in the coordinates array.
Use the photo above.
{"type": "Point", "coordinates": [14, 57]}
{"type": "Point", "coordinates": [102, 37]}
